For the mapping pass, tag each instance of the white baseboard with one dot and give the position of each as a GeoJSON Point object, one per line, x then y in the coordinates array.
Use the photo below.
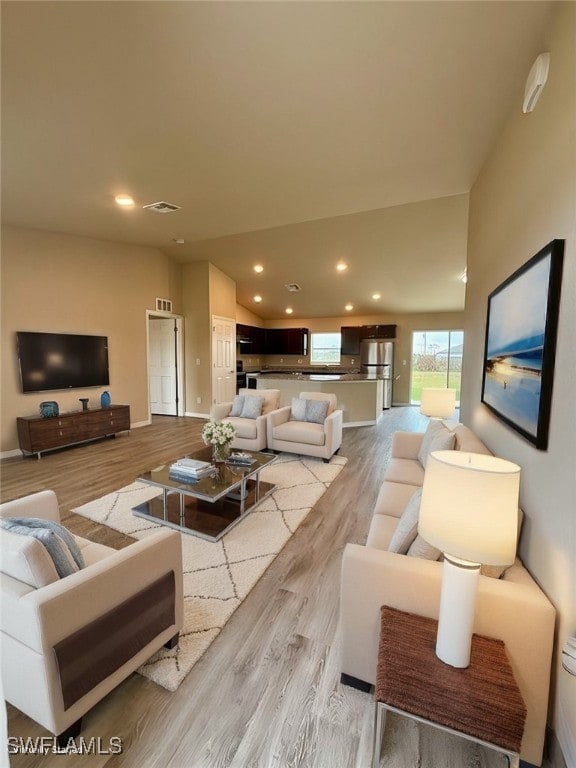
{"type": "Point", "coordinates": [566, 734]}
{"type": "Point", "coordinates": [11, 454]}
{"type": "Point", "coordinates": [141, 424]}
{"type": "Point", "coordinates": [195, 415]}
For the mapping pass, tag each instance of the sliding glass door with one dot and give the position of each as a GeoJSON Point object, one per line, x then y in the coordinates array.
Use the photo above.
{"type": "Point", "coordinates": [436, 361]}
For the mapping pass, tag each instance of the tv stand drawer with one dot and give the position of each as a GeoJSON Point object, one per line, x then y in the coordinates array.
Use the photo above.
{"type": "Point", "coordinates": [37, 435]}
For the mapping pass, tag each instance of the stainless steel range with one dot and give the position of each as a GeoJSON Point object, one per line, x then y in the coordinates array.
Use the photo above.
{"type": "Point", "coordinates": [240, 375]}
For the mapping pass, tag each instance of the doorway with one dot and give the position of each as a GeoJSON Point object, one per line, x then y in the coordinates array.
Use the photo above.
{"type": "Point", "coordinates": [436, 361]}
{"type": "Point", "coordinates": [165, 369]}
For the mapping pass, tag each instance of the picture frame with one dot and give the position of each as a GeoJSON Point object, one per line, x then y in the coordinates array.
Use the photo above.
{"type": "Point", "coordinates": [520, 345]}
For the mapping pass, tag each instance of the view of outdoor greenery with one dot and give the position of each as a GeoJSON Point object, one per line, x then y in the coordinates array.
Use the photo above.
{"type": "Point", "coordinates": [436, 361]}
{"type": "Point", "coordinates": [324, 348]}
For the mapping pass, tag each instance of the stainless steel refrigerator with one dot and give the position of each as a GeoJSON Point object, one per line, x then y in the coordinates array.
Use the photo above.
{"type": "Point", "coordinates": [377, 359]}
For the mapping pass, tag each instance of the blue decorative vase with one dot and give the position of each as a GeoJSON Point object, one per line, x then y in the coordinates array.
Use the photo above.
{"type": "Point", "coordinates": [49, 409]}
{"type": "Point", "coordinates": [105, 399]}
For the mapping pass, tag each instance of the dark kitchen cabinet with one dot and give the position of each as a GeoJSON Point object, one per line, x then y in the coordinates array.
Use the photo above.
{"type": "Point", "coordinates": [287, 341]}
{"type": "Point", "coordinates": [350, 340]}
{"type": "Point", "coordinates": [352, 335]}
{"type": "Point", "coordinates": [251, 339]}
{"type": "Point", "coordinates": [378, 331]}
{"type": "Point", "coordinates": [271, 341]}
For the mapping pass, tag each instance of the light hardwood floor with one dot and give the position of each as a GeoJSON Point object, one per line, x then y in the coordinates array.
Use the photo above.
{"type": "Point", "coordinates": [267, 691]}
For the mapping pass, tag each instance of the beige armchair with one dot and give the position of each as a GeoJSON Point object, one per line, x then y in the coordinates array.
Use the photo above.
{"type": "Point", "coordinates": [287, 431]}
{"type": "Point", "coordinates": [250, 432]}
{"type": "Point", "coordinates": [67, 642]}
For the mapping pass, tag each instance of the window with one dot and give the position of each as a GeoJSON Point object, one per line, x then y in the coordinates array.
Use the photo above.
{"type": "Point", "coordinates": [436, 361]}
{"type": "Point", "coordinates": [325, 348]}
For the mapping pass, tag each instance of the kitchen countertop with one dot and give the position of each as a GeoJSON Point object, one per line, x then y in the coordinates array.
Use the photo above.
{"type": "Point", "coordinates": [297, 376]}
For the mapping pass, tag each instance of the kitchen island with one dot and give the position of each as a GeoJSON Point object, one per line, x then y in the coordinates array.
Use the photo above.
{"type": "Point", "coordinates": [360, 395]}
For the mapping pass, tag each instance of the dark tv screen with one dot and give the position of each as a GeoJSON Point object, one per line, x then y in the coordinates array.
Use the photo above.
{"type": "Point", "coordinates": [61, 361]}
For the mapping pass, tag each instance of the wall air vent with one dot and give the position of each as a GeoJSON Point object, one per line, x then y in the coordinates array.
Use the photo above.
{"type": "Point", "coordinates": [292, 287]}
{"type": "Point", "coordinates": [162, 207]}
{"type": "Point", "coordinates": [163, 305]}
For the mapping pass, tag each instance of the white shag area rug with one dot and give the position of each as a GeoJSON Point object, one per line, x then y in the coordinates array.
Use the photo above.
{"type": "Point", "coordinates": [219, 575]}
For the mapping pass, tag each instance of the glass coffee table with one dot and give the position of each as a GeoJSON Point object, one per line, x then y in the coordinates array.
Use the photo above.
{"type": "Point", "coordinates": [210, 506]}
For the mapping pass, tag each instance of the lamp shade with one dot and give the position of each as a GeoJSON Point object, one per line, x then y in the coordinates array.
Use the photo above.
{"type": "Point", "coordinates": [438, 403]}
{"type": "Point", "coordinates": [469, 506]}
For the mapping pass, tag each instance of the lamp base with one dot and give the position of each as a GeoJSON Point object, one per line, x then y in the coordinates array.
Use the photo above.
{"type": "Point", "coordinates": [457, 605]}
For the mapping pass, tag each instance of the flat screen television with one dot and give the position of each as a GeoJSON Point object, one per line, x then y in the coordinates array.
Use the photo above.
{"type": "Point", "coordinates": [51, 361]}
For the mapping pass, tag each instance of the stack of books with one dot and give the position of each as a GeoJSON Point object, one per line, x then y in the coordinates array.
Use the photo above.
{"type": "Point", "coordinates": [242, 459]}
{"type": "Point", "coordinates": [189, 470]}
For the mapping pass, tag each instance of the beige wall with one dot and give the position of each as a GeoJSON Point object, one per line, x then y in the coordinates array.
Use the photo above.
{"type": "Point", "coordinates": [405, 326]}
{"type": "Point", "coordinates": [524, 197]}
{"type": "Point", "coordinates": [206, 291]}
{"type": "Point", "coordinates": [61, 283]}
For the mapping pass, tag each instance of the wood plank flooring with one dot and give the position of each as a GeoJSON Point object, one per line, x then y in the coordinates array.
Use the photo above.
{"type": "Point", "coordinates": [267, 691]}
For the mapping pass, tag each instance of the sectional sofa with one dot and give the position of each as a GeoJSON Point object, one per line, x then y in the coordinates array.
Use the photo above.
{"type": "Point", "coordinates": [510, 604]}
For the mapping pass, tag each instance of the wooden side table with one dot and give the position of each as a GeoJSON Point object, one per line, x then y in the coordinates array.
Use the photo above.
{"type": "Point", "coordinates": [481, 703]}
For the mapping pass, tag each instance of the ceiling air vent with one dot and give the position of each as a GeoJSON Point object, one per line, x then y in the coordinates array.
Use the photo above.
{"type": "Point", "coordinates": [162, 207]}
{"type": "Point", "coordinates": [292, 287]}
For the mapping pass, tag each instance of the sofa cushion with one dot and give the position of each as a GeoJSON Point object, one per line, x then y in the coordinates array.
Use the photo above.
{"type": "Point", "coordinates": [307, 409]}
{"type": "Point", "coordinates": [467, 441]}
{"type": "Point", "coordinates": [26, 559]}
{"type": "Point", "coordinates": [252, 407]}
{"type": "Point", "coordinates": [271, 398]}
{"type": "Point", "coordinates": [382, 529]}
{"type": "Point", "coordinates": [300, 432]}
{"type": "Point", "coordinates": [406, 471]}
{"type": "Point", "coordinates": [298, 409]}
{"type": "Point", "coordinates": [421, 549]}
{"type": "Point", "coordinates": [246, 428]}
{"type": "Point", "coordinates": [328, 397]}
{"type": "Point", "coordinates": [237, 405]}
{"type": "Point", "coordinates": [316, 411]}
{"type": "Point", "coordinates": [436, 438]}
{"type": "Point", "coordinates": [392, 498]}
{"type": "Point", "coordinates": [58, 542]}
{"type": "Point", "coordinates": [407, 527]}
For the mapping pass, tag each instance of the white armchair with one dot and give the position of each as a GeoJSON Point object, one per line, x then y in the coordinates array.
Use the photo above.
{"type": "Point", "coordinates": [250, 432]}
{"type": "Point", "coordinates": [287, 431]}
{"type": "Point", "coordinates": [67, 642]}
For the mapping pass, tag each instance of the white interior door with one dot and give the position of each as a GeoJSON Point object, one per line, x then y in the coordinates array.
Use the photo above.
{"type": "Point", "coordinates": [223, 359]}
{"type": "Point", "coordinates": [162, 365]}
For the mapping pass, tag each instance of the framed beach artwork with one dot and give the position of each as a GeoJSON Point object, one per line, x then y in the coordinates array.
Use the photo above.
{"type": "Point", "coordinates": [521, 345]}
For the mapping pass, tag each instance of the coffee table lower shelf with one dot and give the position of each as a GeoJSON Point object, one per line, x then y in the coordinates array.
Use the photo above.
{"type": "Point", "coordinates": [208, 520]}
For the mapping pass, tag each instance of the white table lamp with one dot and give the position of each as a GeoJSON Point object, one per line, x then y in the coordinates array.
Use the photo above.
{"type": "Point", "coordinates": [438, 403]}
{"type": "Point", "coordinates": [469, 510]}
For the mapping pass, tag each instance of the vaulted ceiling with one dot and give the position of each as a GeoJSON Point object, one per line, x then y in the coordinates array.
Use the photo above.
{"type": "Point", "coordinates": [291, 134]}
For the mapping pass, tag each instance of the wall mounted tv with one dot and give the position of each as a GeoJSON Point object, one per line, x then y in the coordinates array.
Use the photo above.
{"type": "Point", "coordinates": [61, 361]}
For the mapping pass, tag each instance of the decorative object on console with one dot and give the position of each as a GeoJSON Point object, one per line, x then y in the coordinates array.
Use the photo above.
{"type": "Point", "coordinates": [438, 402]}
{"type": "Point", "coordinates": [84, 401]}
{"type": "Point", "coordinates": [105, 399]}
{"type": "Point", "coordinates": [469, 510]}
{"type": "Point", "coordinates": [219, 434]}
{"type": "Point", "coordinates": [521, 344]}
{"type": "Point", "coordinates": [49, 409]}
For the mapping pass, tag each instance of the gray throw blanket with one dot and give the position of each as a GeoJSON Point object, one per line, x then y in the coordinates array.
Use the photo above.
{"type": "Point", "coordinates": [53, 536]}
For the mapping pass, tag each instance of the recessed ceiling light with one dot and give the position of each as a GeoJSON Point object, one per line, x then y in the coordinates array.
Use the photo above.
{"type": "Point", "coordinates": [124, 200]}
{"type": "Point", "coordinates": [258, 268]}
{"type": "Point", "coordinates": [257, 299]}
{"type": "Point", "coordinates": [341, 267]}
{"type": "Point", "coordinates": [289, 310]}
{"type": "Point", "coordinates": [376, 296]}
{"type": "Point", "coordinates": [349, 307]}
{"type": "Point", "coordinates": [178, 240]}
